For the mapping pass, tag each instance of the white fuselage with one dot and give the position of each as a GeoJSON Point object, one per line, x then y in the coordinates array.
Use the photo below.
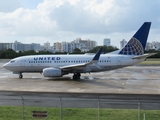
{"type": "Point", "coordinates": [37, 63]}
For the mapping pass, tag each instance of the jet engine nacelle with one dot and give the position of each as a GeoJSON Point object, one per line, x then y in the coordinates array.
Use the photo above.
{"type": "Point", "coordinates": [52, 72]}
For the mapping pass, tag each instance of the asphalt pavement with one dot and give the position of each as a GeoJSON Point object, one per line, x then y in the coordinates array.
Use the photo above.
{"type": "Point", "coordinates": [129, 80]}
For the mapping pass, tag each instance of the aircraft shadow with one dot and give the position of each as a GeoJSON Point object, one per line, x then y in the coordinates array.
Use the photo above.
{"type": "Point", "coordinates": [59, 79]}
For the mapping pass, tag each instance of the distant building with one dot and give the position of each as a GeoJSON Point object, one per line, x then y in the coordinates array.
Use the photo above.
{"type": "Point", "coordinates": [5, 46]}
{"type": "Point", "coordinates": [65, 46]}
{"type": "Point", "coordinates": [83, 45]}
{"type": "Point", "coordinates": [46, 45]}
{"type": "Point", "coordinates": [36, 47]}
{"type": "Point", "coordinates": [122, 43]}
{"type": "Point", "coordinates": [18, 46]}
{"type": "Point", "coordinates": [92, 44]}
{"type": "Point", "coordinates": [107, 42]}
{"type": "Point", "coordinates": [57, 47]}
{"type": "Point", "coordinates": [154, 45]}
{"type": "Point", "coordinates": [149, 46]}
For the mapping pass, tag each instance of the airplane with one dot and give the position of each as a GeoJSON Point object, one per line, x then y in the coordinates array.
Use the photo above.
{"type": "Point", "coordinates": [59, 65]}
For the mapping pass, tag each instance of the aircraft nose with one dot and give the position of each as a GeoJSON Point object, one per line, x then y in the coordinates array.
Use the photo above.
{"type": "Point", "coordinates": [5, 65]}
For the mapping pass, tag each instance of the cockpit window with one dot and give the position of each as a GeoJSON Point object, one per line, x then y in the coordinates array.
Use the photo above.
{"type": "Point", "coordinates": [12, 61]}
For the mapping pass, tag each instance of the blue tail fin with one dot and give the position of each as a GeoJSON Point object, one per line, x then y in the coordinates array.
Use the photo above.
{"type": "Point", "coordinates": [136, 45]}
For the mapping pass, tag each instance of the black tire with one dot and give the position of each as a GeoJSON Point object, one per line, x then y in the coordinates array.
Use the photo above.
{"type": "Point", "coordinates": [20, 76]}
{"type": "Point", "coordinates": [76, 76]}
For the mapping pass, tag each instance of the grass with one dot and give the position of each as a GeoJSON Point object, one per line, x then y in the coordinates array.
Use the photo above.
{"type": "Point", "coordinates": [151, 61]}
{"type": "Point", "coordinates": [15, 113]}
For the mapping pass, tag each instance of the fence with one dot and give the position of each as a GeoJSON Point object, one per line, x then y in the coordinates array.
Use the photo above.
{"type": "Point", "coordinates": [63, 108]}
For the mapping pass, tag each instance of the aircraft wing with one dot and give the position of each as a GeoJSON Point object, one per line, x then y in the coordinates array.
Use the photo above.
{"type": "Point", "coordinates": [143, 56]}
{"type": "Point", "coordinates": [83, 65]}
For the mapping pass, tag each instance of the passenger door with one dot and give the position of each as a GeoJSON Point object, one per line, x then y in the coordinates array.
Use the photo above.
{"type": "Point", "coordinates": [22, 63]}
{"type": "Point", "coordinates": [120, 60]}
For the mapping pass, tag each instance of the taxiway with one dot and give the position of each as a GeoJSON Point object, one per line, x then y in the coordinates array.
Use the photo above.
{"type": "Point", "coordinates": [129, 80]}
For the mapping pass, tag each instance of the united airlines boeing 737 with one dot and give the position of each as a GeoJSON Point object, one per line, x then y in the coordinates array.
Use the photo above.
{"type": "Point", "coordinates": [59, 65]}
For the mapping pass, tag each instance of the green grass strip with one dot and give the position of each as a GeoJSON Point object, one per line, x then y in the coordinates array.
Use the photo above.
{"type": "Point", "coordinates": [15, 113]}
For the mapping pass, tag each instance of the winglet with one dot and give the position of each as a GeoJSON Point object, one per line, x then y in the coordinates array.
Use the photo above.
{"type": "Point", "coordinates": [96, 57]}
{"type": "Point", "coordinates": [93, 61]}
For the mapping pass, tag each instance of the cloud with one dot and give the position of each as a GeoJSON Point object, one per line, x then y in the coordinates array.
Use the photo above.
{"type": "Point", "coordinates": [59, 20]}
{"type": "Point", "coordinates": [103, 16]}
{"type": "Point", "coordinates": [9, 5]}
{"type": "Point", "coordinates": [26, 22]}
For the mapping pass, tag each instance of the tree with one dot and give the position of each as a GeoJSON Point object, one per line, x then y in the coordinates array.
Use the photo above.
{"type": "Point", "coordinates": [29, 52]}
{"type": "Point", "coordinates": [77, 51]}
{"type": "Point", "coordinates": [106, 49]}
{"type": "Point", "coordinates": [8, 54]}
{"type": "Point", "coordinates": [44, 52]}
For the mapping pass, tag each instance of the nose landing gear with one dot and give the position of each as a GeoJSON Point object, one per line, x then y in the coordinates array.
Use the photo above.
{"type": "Point", "coordinates": [20, 76]}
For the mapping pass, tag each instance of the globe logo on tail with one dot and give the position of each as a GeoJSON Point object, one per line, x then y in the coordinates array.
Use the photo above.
{"type": "Point", "coordinates": [133, 47]}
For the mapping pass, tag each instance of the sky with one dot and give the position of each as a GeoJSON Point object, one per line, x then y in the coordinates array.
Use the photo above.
{"type": "Point", "coordinates": [40, 21]}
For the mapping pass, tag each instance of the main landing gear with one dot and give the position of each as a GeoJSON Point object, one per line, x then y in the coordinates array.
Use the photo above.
{"type": "Point", "coordinates": [76, 76]}
{"type": "Point", "coordinates": [20, 76]}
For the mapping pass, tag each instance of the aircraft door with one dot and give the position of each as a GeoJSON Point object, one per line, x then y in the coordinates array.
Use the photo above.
{"type": "Point", "coordinates": [119, 61]}
{"type": "Point", "coordinates": [22, 62]}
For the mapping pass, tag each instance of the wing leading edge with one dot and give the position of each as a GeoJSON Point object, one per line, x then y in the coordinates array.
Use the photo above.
{"type": "Point", "coordinates": [84, 65]}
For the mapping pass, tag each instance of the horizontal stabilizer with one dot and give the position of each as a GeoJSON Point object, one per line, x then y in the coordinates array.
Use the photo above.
{"type": "Point", "coordinates": [143, 56]}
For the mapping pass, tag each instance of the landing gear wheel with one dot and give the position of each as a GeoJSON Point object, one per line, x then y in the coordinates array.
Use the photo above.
{"type": "Point", "coordinates": [20, 76]}
{"type": "Point", "coordinates": [76, 76]}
